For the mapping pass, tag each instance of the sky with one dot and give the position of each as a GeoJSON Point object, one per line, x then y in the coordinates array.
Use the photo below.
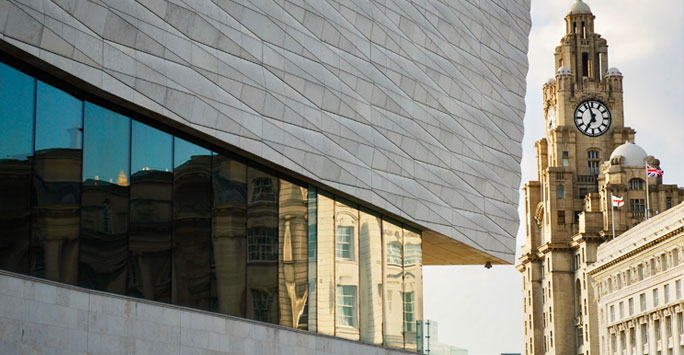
{"type": "Point", "coordinates": [474, 305]}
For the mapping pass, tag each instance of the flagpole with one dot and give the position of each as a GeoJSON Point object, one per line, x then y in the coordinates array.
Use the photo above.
{"type": "Point", "coordinates": [612, 214]}
{"type": "Point", "coordinates": [648, 205]}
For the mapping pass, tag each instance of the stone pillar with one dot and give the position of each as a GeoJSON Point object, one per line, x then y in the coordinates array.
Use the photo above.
{"type": "Point", "coordinates": [676, 331]}
{"type": "Point", "coordinates": [652, 340]}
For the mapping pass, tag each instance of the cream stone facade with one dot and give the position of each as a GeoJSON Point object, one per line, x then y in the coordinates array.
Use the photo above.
{"type": "Point", "coordinates": [637, 282]}
{"type": "Point", "coordinates": [586, 156]}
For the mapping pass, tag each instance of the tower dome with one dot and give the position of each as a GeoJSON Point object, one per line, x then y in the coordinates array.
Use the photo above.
{"type": "Point", "coordinates": [632, 154]}
{"type": "Point", "coordinates": [613, 71]}
{"type": "Point", "coordinates": [564, 70]}
{"type": "Point", "coordinates": [579, 7]}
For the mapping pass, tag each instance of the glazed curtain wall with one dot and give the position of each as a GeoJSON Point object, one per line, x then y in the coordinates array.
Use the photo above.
{"type": "Point", "coordinates": [93, 198]}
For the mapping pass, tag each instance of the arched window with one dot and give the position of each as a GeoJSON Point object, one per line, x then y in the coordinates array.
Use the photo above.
{"type": "Point", "coordinates": [636, 184]}
{"type": "Point", "coordinates": [593, 159]}
{"type": "Point", "coordinates": [560, 192]}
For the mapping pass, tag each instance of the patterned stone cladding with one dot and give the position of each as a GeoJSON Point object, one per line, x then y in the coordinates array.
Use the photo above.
{"type": "Point", "coordinates": [413, 107]}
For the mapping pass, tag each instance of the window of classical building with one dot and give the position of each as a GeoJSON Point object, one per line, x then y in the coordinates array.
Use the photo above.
{"type": "Point", "coordinates": [678, 288]}
{"type": "Point", "coordinates": [593, 162]}
{"type": "Point", "coordinates": [560, 192]}
{"type": "Point", "coordinates": [653, 267]}
{"type": "Point", "coordinates": [622, 310]}
{"type": "Point", "coordinates": [612, 313]}
{"type": "Point", "coordinates": [613, 343]}
{"type": "Point", "coordinates": [668, 202]}
{"type": "Point", "coordinates": [666, 293]}
{"type": "Point", "coordinates": [566, 161]}
{"type": "Point", "coordinates": [675, 257]}
{"type": "Point", "coordinates": [561, 217]}
{"type": "Point", "coordinates": [623, 340]}
{"type": "Point", "coordinates": [636, 184]}
{"type": "Point", "coordinates": [640, 272]}
{"type": "Point", "coordinates": [632, 337]}
{"type": "Point", "coordinates": [636, 205]}
{"type": "Point", "coordinates": [631, 307]}
{"type": "Point", "coordinates": [680, 320]}
{"type": "Point", "coordinates": [655, 297]}
{"type": "Point", "coordinates": [644, 333]}
{"type": "Point", "coordinates": [642, 302]}
{"type": "Point", "coordinates": [658, 332]}
{"type": "Point", "coordinates": [668, 327]}
{"type": "Point", "coordinates": [346, 306]}
{"type": "Point", "coordinates": [663, 262]}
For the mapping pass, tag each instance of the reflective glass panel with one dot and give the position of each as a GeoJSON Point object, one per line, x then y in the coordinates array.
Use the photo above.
{"type": "Point", "coordinates": [413, 286]}
{"type": "Point", "coordinates": [346, 269]}
{"type": "Point", "coordinates": [393, 299]}
{"type": "Point", "coordinates": [56, 185]}
{"type": "Point", "coordinates": [17, 99]}
{"type": "Point", "coordinates": [370, 276]}
{"type": "Point", "coordinates": [262, 246]}
{"type": "Point", "coordinates": [326, 264]}
{"type": "Point", "coordinates": [230, 233]}
{"type": "Point", "coordinates": [104, 205]}
{"type": "Point", "coordinates": [192, 253]}
{"type": "Point", "coordinates": [293, 252]}
{"type": "Point", "coordinates": [312, 235]}
{"type": "Point", "coordinates": [149, 245]}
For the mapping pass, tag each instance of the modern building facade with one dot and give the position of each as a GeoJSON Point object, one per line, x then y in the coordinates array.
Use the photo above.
{"type": "Point", "coordinates": [586, 156]}
{"type": "Point", "coordinates": [637, 281]}
{"type": "Point", "coordinates": [293, 163]}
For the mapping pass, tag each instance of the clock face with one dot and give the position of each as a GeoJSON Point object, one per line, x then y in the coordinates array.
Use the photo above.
{"type": "Point", "coordinates": [592, 118]}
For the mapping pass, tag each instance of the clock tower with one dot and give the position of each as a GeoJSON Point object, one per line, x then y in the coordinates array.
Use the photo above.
{"type": "Point", "coordinates": [586, 155]}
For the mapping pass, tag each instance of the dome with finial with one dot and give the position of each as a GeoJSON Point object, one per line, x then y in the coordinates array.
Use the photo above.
{"type": "Point", "coordinates": [551, 81]}
{"type": "Point", "coordinates": [564, 70]}
{"type": "Point", "coordinates": [632, 154]}
{"type": "Point", "coordinates": [613, 71]}
{"type": "Point", "coordinates": [579, 7]}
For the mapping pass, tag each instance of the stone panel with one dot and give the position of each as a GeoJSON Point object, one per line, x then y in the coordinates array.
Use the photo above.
{"type": "Point", "coordinates": [31, 323]}
{"type": "Point", "coordinates": [422, 97]}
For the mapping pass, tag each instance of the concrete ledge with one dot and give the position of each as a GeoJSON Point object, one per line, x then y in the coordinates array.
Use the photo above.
{"type": "Point", "coordinates": [40, 316]}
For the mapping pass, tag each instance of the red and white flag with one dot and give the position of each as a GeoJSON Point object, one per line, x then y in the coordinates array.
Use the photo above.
{"type": "Point", "coordinates": [617, 201]}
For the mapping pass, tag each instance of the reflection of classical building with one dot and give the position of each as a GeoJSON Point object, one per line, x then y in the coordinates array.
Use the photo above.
{"type": "Point", "coordinates": [637, 285]}
{"type": "Point", "coordinates": [292, 163]}
{"type": "Point", "coordinates": [586, 156]}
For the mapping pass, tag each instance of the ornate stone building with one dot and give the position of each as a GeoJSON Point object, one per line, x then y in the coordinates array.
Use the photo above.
{"type": "Point", "coordinates": [637, 280]}
{"type": "Point", "coordinates": [586, 155]}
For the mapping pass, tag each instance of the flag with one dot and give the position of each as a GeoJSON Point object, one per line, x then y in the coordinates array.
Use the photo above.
{"type": "Point", "coordinates": [617, 201]}
{"type": "Point", "coordinates": [653, 172]}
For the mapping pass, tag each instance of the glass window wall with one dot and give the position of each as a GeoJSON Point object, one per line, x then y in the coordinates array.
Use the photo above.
{"type": "Point", "coordinates": [262, 246]}
{"type": "Point", "coordinates": [17, 107]}
{"type": "Point", "coordinates": [230, 233]}
{"type": "Point", "coordinates": [95, 198]}
{"type": "Point", "coordinates": [105, 198]}
{"type": "Point", "coordinates": [149, 243]}
{"type": "Point", "coordinates": [192, 284]}
{"type": "Point", "coordinates": [56, 185]}
{"type": "Point", "coordinates": [347, 269]}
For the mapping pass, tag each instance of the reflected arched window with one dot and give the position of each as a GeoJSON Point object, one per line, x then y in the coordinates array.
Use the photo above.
{"type": "Point", "coordinates": [636, 184]}
{"type": "Point", "coordinates": [262, 190]}
{"type": "Point", "coordinates": [560, 192]}
{"type": "Point", "coordinates": [394, 254]}
{"type": "Point", "coordinates": [262, 244]}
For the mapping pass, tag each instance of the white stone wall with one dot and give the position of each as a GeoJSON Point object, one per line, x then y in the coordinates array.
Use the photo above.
{"type": "Point", "coordinates": [414, 107]}
{"type": "Point", "coordinates": [40, 317]}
